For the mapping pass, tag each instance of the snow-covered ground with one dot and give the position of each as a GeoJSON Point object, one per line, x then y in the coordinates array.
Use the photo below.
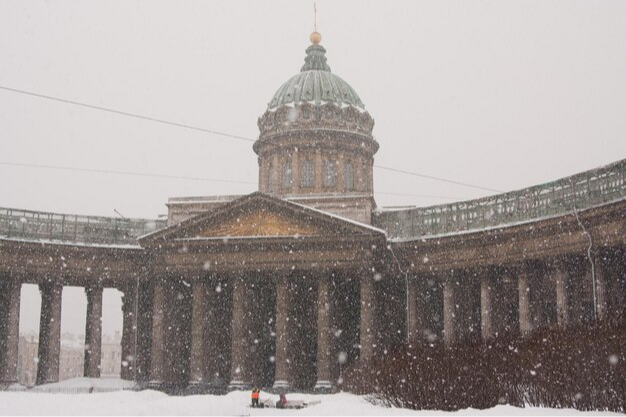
{"type": "Point", "coordinates": [234, 404]}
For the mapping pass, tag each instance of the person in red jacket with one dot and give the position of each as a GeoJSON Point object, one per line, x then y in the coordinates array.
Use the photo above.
{"type": "Point", "coordinates": [255, 397]}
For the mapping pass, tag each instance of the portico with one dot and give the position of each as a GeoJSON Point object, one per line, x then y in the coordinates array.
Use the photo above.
{"type": "Point", "coordinates": [262, 277]}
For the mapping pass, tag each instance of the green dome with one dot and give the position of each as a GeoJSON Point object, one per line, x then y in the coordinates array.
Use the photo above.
{"type": "Point", "coordinates": [316, 84]}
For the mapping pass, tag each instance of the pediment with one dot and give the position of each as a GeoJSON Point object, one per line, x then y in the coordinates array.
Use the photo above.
{"type": "Point", "coordinates": [261, 223]}
{"type": "Point", "coordinates": [259, 215]}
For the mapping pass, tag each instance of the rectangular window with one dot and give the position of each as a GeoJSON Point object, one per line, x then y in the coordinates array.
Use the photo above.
{"type": "Point", "coordinates": [306, 174]}
{"type": "Point", "coordinates": [330, 177]}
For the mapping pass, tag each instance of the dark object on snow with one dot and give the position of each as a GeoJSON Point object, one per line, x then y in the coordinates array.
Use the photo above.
{"type": "Point", "coordinates": [282, 401]}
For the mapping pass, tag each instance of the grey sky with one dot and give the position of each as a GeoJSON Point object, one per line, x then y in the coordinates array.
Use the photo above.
{"type": "Point", "coordinates": [499, 94]}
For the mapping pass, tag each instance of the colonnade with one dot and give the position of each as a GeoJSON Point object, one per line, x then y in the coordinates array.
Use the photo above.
{"type": "Point", "coordinates": [49, 345]}
{"type": "Point", "coordinates": [232, 331]}
{"type": "Point", "coordinates": [243, 326]}
{"type": "Point", "coordinates": [488, 301]}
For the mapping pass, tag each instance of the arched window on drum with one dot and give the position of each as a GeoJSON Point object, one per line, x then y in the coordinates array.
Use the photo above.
{"type": "Point", "coordinates": [306, 174]}
{"type": "Point", "coordinates": [287, 177]}
{"type": "Point", "coordinates": [330, 176]}
{"type": "Point", "coordinates": [348, 176]}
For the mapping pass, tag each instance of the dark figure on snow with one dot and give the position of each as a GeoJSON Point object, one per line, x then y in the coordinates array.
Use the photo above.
{"type": "Point", "coordinates": [255, 397]}
{"type": "Point", "coordinates": [282, 401]}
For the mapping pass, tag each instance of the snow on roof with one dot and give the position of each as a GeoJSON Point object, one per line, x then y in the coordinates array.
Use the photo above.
{"type": "Point", "coordinates": [65, 243]}
{"type": "Point", "coordinates": [203, 199]}
{"type": "Point", "coordinates": [334, 216]}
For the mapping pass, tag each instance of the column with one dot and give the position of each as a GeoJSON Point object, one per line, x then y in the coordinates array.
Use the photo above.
{"type": "Point", "coordinates": [240, 374]}
{"type": "Point", "coordinates": [449, 311]}
{"type": "Point", "coordinates": [562, 300]}
{"type": "Point", "coordinates": [601, 296]}
{"type": "Point", "coordinates": [324, 335]}
{"type": "Point", "coordinates": [217, 333]}
{"type": "Point", "coordinates": [9, 330]}
{"type": "Point", "coordinates": [49, 333]}
{"type": "Point", "coordinates": [523, 291]}
{"type": "Point", "coordinates": [263, 174]}
{"type": "Point", "coordinates": [157, 362]}
{"type": "Point", "coordinates": [144, 331]}
{"type": "Point", "coordinates": [368, 317]}
{"type": "Point", "coordinates": [282, 377]}
{"type": "Point", "coordinates": [129, 329]}
{"type": "Point", "coordinates": [416, 313]}
{"type": "Point", "coordinates": [341, 170]}
{"type": "Point", "coordinates": [486, 309]}
{"type": "Point", "coordinates": [276, 175]}
{"type": "Point", "coordinates": [359, 175]}
{"type": "Point", "coordinates": [93, 332]}
{"type": "Point", "coordinates": [295, 172]}
{"type": "Point", "coordinates": [198, 316]}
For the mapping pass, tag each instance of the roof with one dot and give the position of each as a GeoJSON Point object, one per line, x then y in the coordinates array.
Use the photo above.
{"type": "Point", "coordinates": [316, 84]}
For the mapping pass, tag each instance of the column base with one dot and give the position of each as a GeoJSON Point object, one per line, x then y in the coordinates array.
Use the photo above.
{"type": "Point", "coordinates": [155, 385]}
{"type": "Point", "coordinates": [281, 385]}
{"type": "Point", "coordinates": [323, 387]}
{"type": "Point", "coordinates": [236, 385]}
{"type": "Point", "coordinates": [7, 386]}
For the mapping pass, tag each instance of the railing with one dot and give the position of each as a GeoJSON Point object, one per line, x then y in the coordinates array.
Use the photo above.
{"type": "Point", "coordinates": [581, 191]}
{"type": "Point", "coordinates": [36, 225]}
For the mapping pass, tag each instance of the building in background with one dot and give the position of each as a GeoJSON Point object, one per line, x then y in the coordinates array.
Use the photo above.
{"type": "Point", "coordinates": [72, 357]}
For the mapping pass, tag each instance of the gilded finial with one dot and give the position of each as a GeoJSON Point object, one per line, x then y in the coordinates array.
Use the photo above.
{"type": "Point", "coordinates": [315, 38]}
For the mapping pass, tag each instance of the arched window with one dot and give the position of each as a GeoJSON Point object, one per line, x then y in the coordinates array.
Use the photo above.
{"type": "Point", "coordinates": [330, 177]}
{"type": "Point", "coordinates": [287, 174]}
{"type": "Point", "coordinates": [307, 178]}
{"type": "Point", "coordinates": [348, 176]}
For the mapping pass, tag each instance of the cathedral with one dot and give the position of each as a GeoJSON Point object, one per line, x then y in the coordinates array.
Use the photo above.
{"type": "Point", "coordinates": [288, 287]}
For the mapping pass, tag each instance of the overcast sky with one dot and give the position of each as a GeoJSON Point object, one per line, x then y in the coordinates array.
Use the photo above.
{"type": "Point", "coordinates": [499, 94]}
